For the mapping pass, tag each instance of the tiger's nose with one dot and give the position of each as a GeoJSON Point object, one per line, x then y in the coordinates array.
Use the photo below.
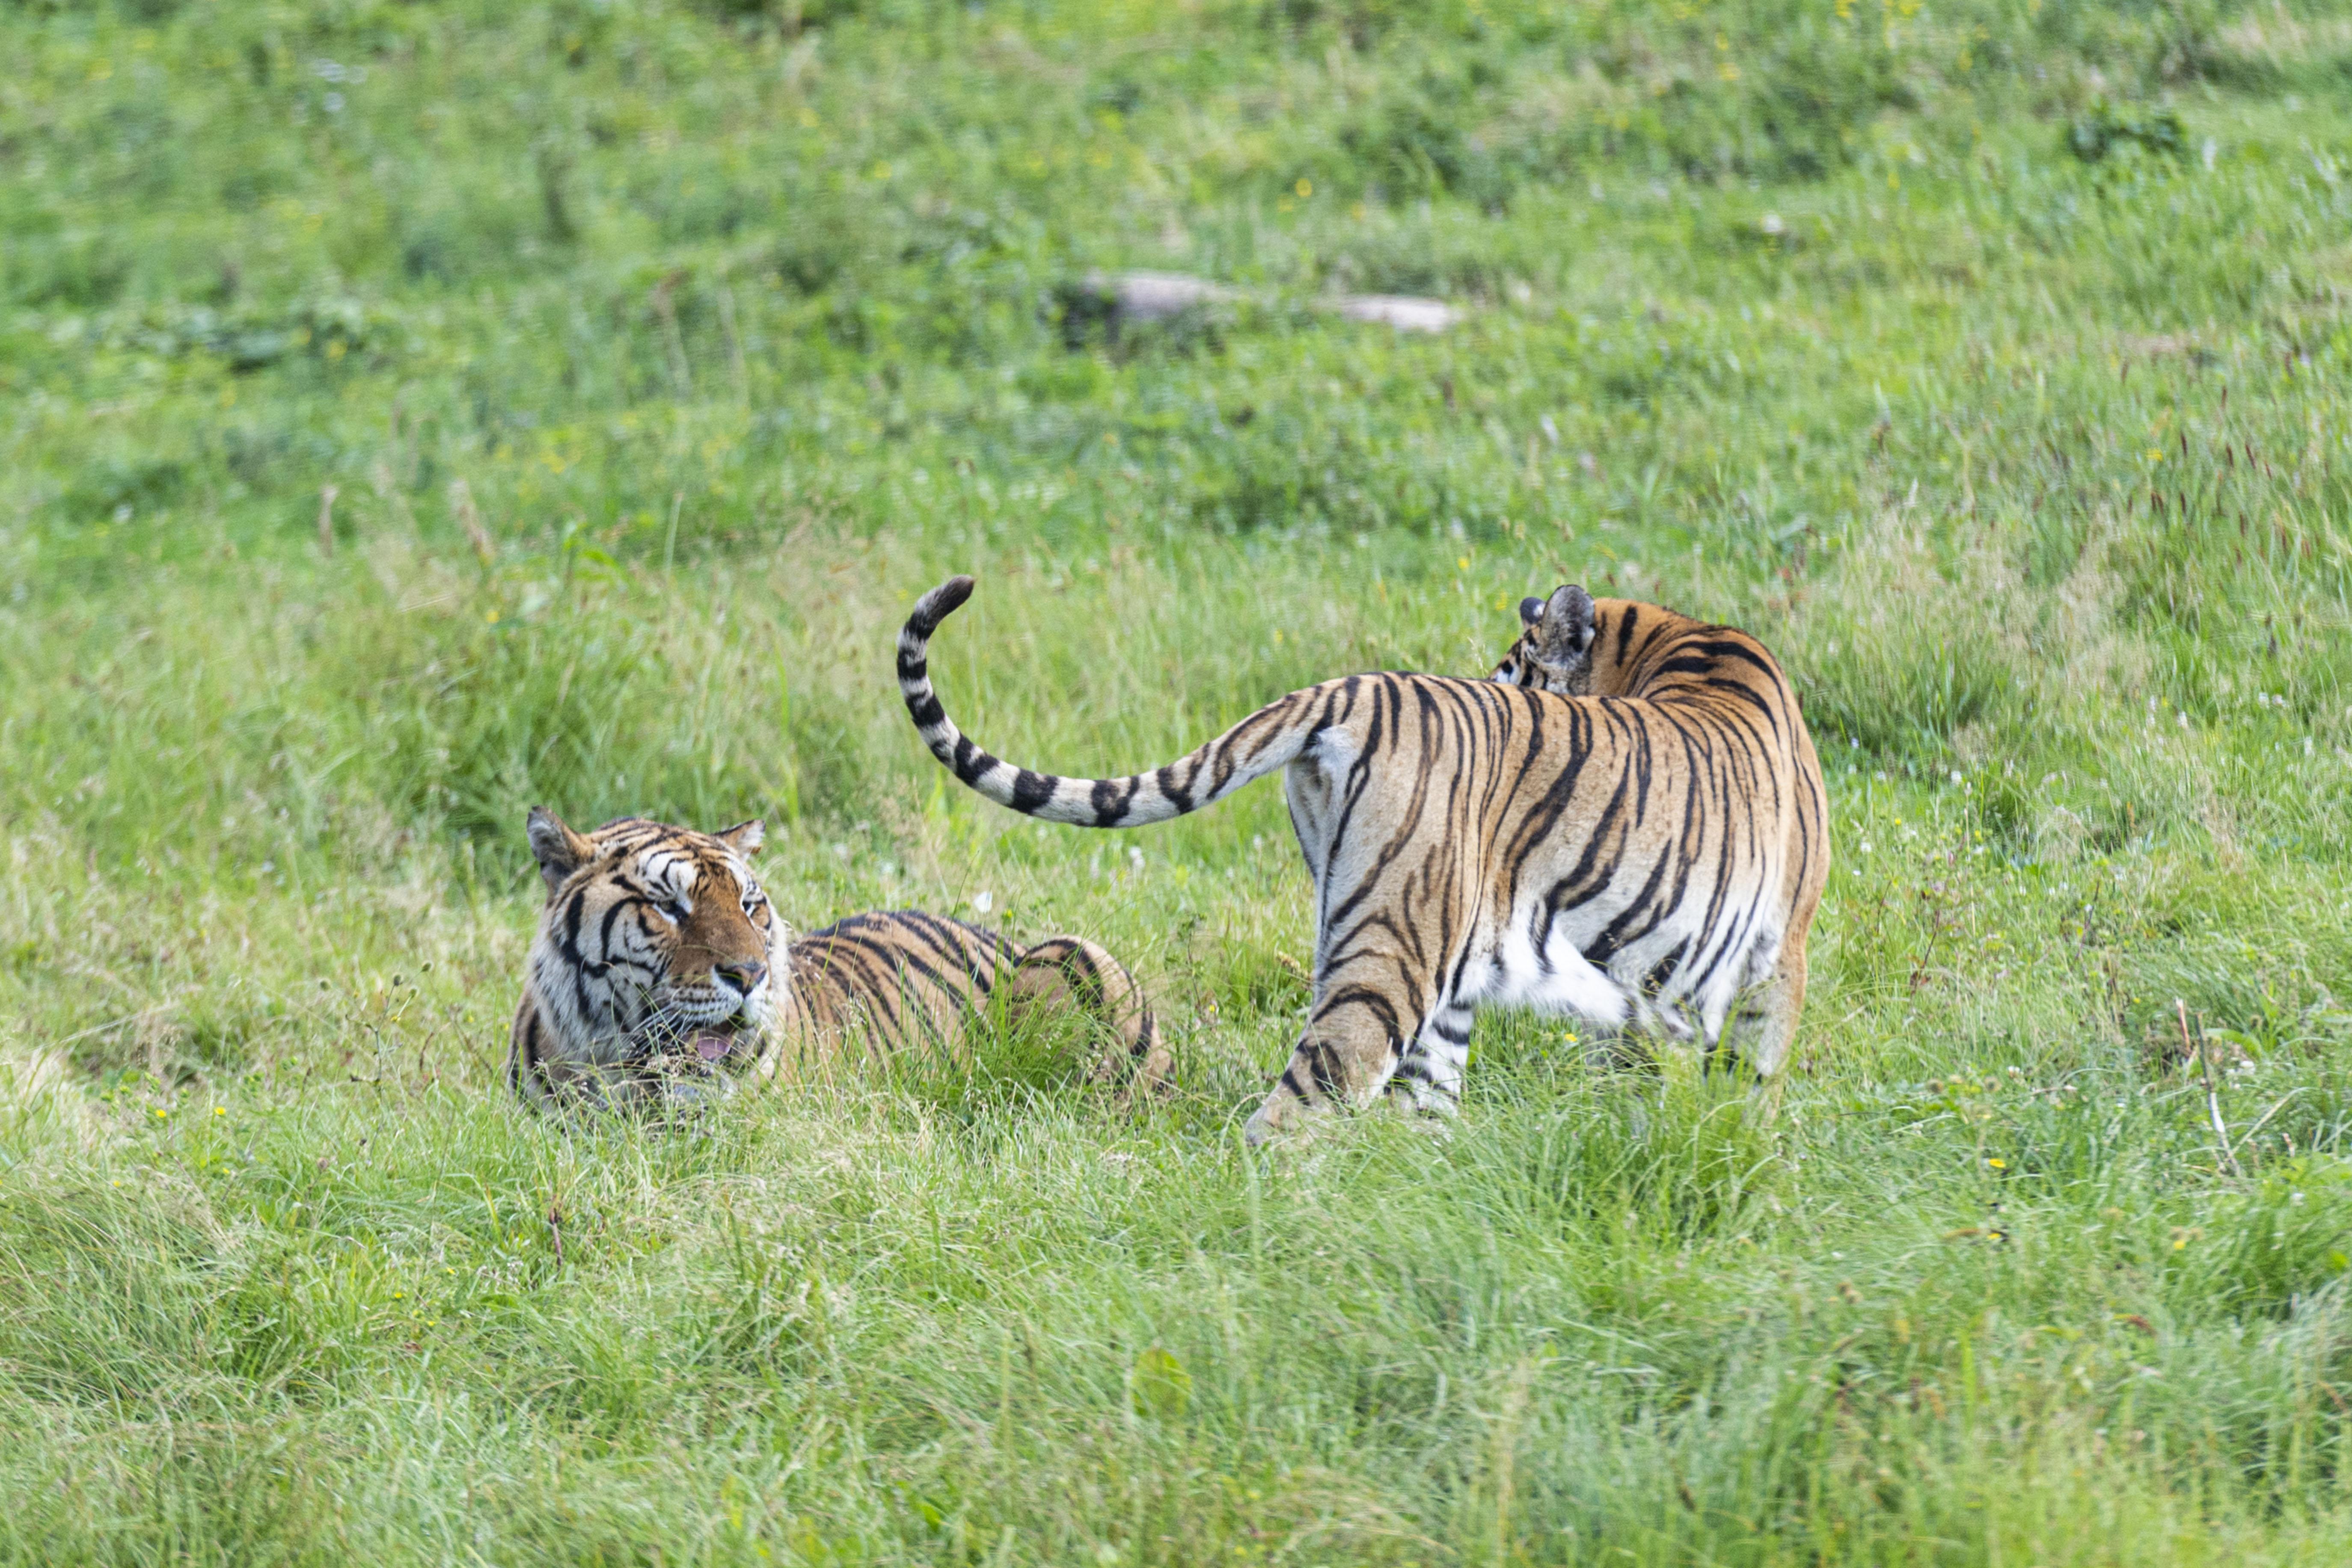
{"type": "Point", "coordinates": [744, 976]}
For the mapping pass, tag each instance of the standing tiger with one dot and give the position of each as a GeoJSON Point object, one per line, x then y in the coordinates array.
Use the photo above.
{"type": "Point", "coordinates": [1626, 823]}
{"type": "Point", "coordinates": [660, 970]}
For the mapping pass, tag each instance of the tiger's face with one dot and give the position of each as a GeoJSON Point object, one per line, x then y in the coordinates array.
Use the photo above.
{"type": "Point", "coordinates": [1554, 653]}
{"type": "Point", "coordinates": [657, 951]}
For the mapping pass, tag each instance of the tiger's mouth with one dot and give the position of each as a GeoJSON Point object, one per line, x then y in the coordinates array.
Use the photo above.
{"type": "Point", "coordinates": [711, 1043]}
{"type": "Point", "coordinates": [696, 1045]}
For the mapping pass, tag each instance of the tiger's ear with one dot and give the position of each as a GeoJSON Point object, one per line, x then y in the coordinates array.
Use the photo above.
{"type": "Point", "coordinates": [1530, 610]}
{"type": "Point", "coordinates": [558, 849]}
{"type": "Point", "coordinates": [1565, 629]}
{"type": "Point", "coordinates": [745, 837]}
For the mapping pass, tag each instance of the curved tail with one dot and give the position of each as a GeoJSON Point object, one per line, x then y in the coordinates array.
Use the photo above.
{"type": "Point", "coordinates": [1252, 749]}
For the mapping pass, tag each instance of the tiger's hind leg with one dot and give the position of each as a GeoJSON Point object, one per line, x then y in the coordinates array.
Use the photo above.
{"type": "Point", "coordinates": [1768, 1014]}
{"type": "Point", "coordinates": [1764, 1024]}
{"type": "Point", "coordinates": [1431, 1069]}
{"type": "Point", "coordinates": [1364, 1022]}
{"type": "Point", "coordinates": [1070, 972]}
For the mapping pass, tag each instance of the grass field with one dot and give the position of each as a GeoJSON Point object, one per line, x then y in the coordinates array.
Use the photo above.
{"type": "Point", "coordinates": [415, 412]}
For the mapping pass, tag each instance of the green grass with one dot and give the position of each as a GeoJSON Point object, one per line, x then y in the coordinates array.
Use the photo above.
{"type": "Point", "coordinates": [659, 355]}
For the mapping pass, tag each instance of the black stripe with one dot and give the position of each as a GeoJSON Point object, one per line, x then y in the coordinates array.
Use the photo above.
{"type": "Point", "coordinates": [572, 917]}
{"type": "Point", "coordinates": [605, 926]}
{"type": "Point", "coordinates": [894, 961]}
{"type": "Point", "coordinates": [1176, 794]}
{"type": "Point", "coordinates": [959, 944]}
{"type": "Point", "coordinates": [1412, 1070]}
{"type": "Point", "coordinates": [1323, 1068]}
{"type": "Point", "coordinates": [1629, 926]}
{"type": "Point", "coordinates": [1111, 798]}
{"type": "Point", "coordinates": [1725, 648]}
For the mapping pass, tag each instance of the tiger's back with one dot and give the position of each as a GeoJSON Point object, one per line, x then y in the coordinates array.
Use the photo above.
{"type": "Point", "coordinates": [902, 982]}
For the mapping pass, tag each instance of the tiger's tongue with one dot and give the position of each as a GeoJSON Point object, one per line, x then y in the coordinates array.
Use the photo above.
{"type": "Point", "coordinates": [711, 1046]}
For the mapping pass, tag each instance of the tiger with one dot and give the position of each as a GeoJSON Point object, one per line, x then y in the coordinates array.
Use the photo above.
{"type": "Point", "coordinates": [1624, 822]}
{"type": "Point", "coordinates": [660, 973]}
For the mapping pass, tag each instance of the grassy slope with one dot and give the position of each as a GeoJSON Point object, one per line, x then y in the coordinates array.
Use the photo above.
{"type": "Point", "coordinates": [727, 336]}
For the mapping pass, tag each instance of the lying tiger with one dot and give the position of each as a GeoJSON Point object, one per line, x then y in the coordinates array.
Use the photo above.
{"type": "Point", "coordinates": [661, 972]}
{"type": "Point", "coordinates": [1625, 823]}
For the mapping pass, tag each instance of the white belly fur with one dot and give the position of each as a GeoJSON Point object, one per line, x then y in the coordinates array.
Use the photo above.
{"type": "Point", "coordinates": [1560, 979]}
{"type": "Point", "coordinates": [1556, 980]}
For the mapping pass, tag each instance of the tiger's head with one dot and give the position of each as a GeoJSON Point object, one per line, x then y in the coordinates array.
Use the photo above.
{"type": "Point", "coordinates": [1554, 653]}
{"type": "Point", "coordinates": [657, 965]}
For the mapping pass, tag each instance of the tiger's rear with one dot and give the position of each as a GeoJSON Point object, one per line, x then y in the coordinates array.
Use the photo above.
{"type": "Point", "coordinates": [1626, 823]}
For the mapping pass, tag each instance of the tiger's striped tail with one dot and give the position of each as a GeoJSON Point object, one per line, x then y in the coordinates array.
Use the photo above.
{"type": "Point", "coordinates": [1265, 740]}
